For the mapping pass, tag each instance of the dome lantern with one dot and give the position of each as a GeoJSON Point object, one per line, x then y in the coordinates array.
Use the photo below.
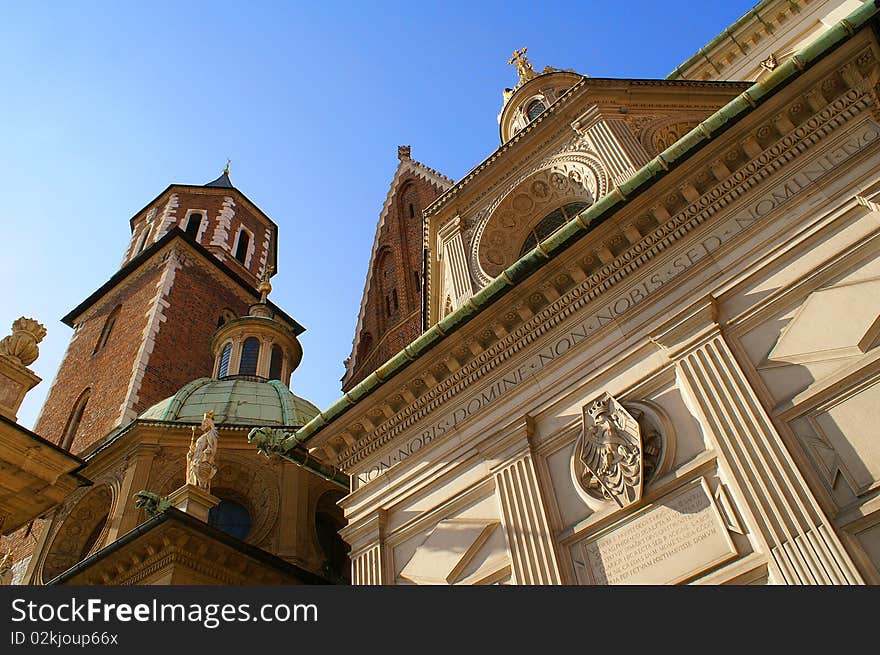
{"type": "Point", "coordinates": [256, 346]}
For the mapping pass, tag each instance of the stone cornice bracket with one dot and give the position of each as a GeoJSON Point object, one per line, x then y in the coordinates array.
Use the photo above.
{"type": "Point", "coordinates": [613, 140]}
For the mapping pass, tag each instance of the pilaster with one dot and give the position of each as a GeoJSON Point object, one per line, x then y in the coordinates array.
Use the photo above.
{"type": "Point", "coordinates": [368, 551]}
{"type": "Point", "coordinates": [523, 514]}
{"type": "Point", "coordinates": [803, 545]}
{"type": "Point", "coordinates": [612, 139]}
{"type": "Point", "coordinates": [454, 263]}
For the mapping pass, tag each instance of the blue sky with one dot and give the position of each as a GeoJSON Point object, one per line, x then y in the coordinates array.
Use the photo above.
{"type": "Point", "coordinates": [105, 104]}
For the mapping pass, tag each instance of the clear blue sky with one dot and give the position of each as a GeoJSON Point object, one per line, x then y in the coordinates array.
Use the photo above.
{"type": "Point", "coordinates": [105, 104]}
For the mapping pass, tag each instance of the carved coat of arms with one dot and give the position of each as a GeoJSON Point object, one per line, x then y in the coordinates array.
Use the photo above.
{"type": "Point", "coordinates": [609, 460]}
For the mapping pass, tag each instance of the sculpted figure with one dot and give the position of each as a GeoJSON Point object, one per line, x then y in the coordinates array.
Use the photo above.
{"type": "Point", "coordinates": [610, 451]}
{"type": "Point", "coordinates": [202, 453]}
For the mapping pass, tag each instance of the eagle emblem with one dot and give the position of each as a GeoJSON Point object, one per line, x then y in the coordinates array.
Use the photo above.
{"type": "Point", "coordinates": [609, 454]}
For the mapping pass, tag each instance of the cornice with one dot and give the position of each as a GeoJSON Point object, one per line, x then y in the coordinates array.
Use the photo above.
{"type": "Point", "coordinates": [764, 166]}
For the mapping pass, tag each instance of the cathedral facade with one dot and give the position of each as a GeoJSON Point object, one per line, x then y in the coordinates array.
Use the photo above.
{"type": "Point", "coordinates": [650, 332]}
{"type": "Point", "coordinates": [637, 344]}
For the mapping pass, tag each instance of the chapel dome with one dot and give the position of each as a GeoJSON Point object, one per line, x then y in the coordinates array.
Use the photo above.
{"type": "Point", "coordinates": [234, 401]}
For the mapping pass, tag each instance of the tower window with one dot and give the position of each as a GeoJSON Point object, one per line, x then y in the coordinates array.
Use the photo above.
{"type": "Point", "coordinates": [250, 352]}
{"type": "Point", "coordinates": [75, 418]}
{"type": "Point", "coordinates": [224, 361]}
{"type": "Point", "coordinates": [141, 242]}
{"type": "Point", "coordinates": [275, 362]}
{"type": "Point", "coordinates": [535, 109]}
{"type": "Point", "coordinates": [394, 298]}
{"type": "Point", "coordinates": [241, 249]}
{"type": "Point", "coordinates": [412, 211]}
{"type": "Point", "coordinates": [193, 223]}
{"type": "Point", "coordinates": [107, 329]}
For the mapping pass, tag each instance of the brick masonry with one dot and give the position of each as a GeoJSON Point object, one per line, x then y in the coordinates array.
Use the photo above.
{"type": "Point", "coordinates": [396, 271]}
{"type": "Point", "coordinates": [226, 211]}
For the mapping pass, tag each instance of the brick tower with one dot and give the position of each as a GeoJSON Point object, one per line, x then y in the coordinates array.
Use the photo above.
{"type": "Point", "coordinates": [391, 308]}
{"type": "Point", "coordinates": [194, 261]}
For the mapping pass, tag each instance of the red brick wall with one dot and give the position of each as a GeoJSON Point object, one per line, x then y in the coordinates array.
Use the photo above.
{"type": "Point", "coordinates": [108, 371]}
{"type": "Point", "coordinates": [183, 346]}
{"type": "Point", "coordinates": [397, 267]}
{"type": "Point", "coordinates": [180, 354]}
{"type": "Point", "coordinates": [210, 201]}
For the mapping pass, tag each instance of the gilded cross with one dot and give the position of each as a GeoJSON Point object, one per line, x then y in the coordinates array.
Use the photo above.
{"type": "Point", "coordinates": [523, 65]}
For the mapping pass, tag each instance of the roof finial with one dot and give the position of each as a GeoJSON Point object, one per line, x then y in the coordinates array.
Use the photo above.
{"type": "Point", "coordinates": [523, 66]}
{"type": "Point", "coordinates": [226, 170]}
{"type": "Point", "coordinates": [404, 152]}
{"type": "Point", "coordinates": [265, 287]}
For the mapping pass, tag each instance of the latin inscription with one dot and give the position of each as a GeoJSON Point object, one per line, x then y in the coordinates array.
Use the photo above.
{"type": "Point", "coordinates": [677, 539]}
{"type": "Point", "coordinates": [632, 296]}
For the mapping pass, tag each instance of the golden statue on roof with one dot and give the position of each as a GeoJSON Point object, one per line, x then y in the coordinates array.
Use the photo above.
{"type": "Point", "coordinates": [523, 66]}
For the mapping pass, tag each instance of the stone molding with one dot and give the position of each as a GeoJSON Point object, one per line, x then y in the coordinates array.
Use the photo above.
{"type": "Point", "coordinates": [766, 163]}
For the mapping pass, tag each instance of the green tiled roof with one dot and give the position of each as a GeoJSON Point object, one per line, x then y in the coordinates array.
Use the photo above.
{"type": "Point", "coordinates": [234, 401]}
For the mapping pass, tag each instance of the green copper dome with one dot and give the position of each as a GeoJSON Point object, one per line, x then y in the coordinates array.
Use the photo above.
{"type": "Point", "coordinates": [234, 401]}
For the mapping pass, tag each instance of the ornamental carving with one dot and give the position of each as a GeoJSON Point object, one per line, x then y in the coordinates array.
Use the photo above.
{"type": "Point", "coordinates": [509, 224]}
{"type": "Point", "coordinates": [22, 343]}
{"type": "Point", "coordinates": [618, 452]}
{"type": "Point", "coordinates": [80, 533]}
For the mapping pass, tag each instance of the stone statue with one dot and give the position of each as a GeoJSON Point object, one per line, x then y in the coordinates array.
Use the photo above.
{"type": "Point", "coordinates": [610, 452]}
{"type": "Point", "coordinates": [152, 504]}
{"type": "Point", "coordinates": [22, 343]}
{"type": "Point", "coordinates": [202, 453]}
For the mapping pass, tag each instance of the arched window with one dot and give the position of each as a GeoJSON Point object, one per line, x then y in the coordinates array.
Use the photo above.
{"type": "Point", "coordinates": [412, 211]}
{"type": "Point", "coordinates": [550, 223]}
{"type": "Point", "coordinates": [535, 108]}
{"type": "Point", "coordinates": [250, 352]}
{"type": "Point", "coordinates": [275, 362]}
{"type": "Point", "coordinates": [394, 298]}
{"type": "Point", "coordinates": [107, 329]}
{"type": "Point", "coordinates": [224, 361]}
{"type": "Point", "coordinates": [193, 223]}
{"type": "Point", "coordinates": [241, 249]}
{"type": "Point", "coordinates": [75, 418]}
{"type": "Point", "coordinates": [141, 242]}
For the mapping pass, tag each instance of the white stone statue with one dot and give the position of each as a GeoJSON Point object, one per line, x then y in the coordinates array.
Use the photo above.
{"type": "Point", "coordinates": [200, 466]}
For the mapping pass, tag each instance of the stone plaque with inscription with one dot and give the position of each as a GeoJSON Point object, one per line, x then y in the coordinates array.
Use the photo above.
{"type": "Point", "coordinates": [677, 538]}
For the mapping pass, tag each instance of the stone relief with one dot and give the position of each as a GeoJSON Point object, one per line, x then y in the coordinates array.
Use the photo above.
{"type": "Point", "coordinates": [79, 533]}
{"type": "Point", "coordinates": [617, 453]}
{"type": "Point", "coordinates": [498, 240]}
